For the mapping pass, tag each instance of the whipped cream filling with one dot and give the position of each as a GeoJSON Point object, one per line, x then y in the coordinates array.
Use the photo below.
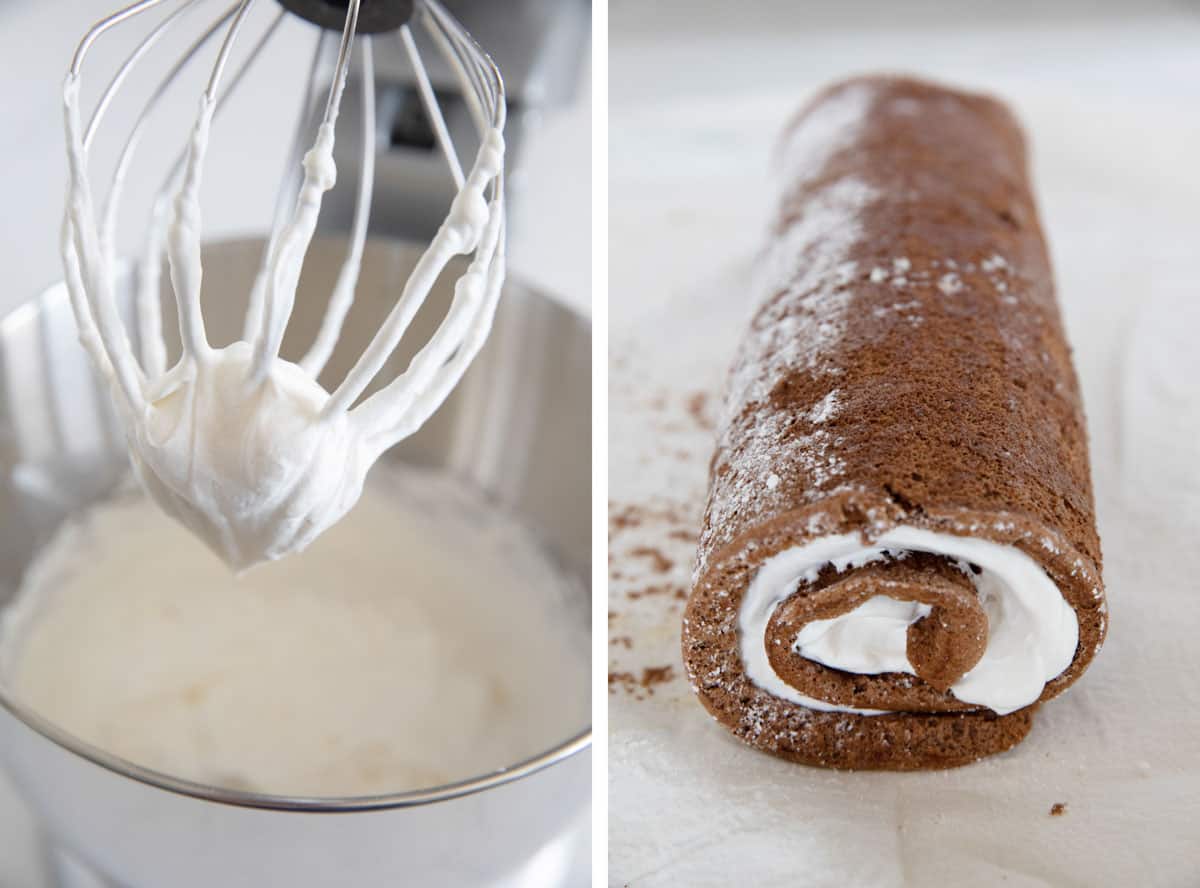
{"type": "Point", "coordinates": [871, 639]}
{"type": "Point", "coordinates": [1032, 630]}
{"type": "Point", "coordinates": [241, 446]}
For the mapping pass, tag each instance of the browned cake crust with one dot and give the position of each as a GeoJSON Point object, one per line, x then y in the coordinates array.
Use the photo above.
{"type": "Point", "coordinates": [907, 284]}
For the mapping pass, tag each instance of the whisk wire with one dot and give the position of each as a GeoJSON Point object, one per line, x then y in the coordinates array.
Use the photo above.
{"type": "Point", "coordinates": [469, 223]}
{"type": "Point", "coordinates": [214, 80]}
{"type": "Point", "coordinates": [440, 364]}
{"type": "Point", "coordinates": [475, 226]}
{"type": "Point", "coordinates": [149, 312]}
{"type": "Point", "coordinates": [128, 65]}
{"type": "Point", "coordinates": [433, 109]}
{"type": "Point", "coordinates": [473, 89]}
{"type": "Point", "coordinates": [342, 66]}
{"type": "Point", "coordinates": [183, 235]}
{"type": "Point", "coordinates": [347, 281]}
{"type": "Point", "coordinates": [106, 23]}
{"type": "Point", "coordinates": [125, 158]}
{"type": "Point", "coordinates": [468, 56]}
{"type": "Point", "coordinates": [285, 195]}
{"type": "Point", "coordinates": [88, 284]}
{"type": "Point", "coordinates": [283, 278]}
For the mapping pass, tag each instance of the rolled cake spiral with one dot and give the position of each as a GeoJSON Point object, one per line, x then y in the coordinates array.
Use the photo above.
{"type": "Point", "coordinates": [899, 558]}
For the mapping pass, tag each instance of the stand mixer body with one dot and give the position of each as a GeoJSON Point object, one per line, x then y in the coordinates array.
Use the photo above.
{"type": "Point", "coordinates": [536, 44]}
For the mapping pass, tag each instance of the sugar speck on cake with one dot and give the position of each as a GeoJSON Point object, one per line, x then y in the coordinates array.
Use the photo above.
{"type": "Point", "coordinates": [950, 283]}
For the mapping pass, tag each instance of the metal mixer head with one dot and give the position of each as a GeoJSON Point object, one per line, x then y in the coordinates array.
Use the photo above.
{"type": "Point", "coordinates": [374, 17]}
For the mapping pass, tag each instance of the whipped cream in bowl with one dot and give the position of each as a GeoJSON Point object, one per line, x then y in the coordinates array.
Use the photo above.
{"type": "Point", "coordinates": [391, 655]}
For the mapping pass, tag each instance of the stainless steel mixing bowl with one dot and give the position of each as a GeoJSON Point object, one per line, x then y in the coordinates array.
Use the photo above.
{"type": "Point", "coordinates": [518, 429]}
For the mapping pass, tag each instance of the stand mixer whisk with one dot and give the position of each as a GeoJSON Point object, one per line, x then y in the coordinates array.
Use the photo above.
{"type": "Point", "coordinates": [245, 448]}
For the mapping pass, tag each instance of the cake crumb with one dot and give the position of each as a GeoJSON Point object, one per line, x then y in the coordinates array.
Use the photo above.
{"type": "Point", "coordinates": [698, 409]}
{"type": "Point", "coordinates": [640, 687]}
{"type": "Point", "coordinates": [659, 562]}
{"type": "Point", "coordinates": [626, 680]}
{"type": "Point", "coordinates": [668, 590]}
{"type": "Point", "coordinates": [653, 675]}
{"type": "Point", "coordinates": [1058, 809]}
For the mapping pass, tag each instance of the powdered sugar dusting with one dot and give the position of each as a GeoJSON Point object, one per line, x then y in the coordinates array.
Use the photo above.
{"type": "Point", "coordinates": [995, 262]}
{"type": "Point", "coordinates": [826, 408]}
{"type": "Point", "coordinates": [898, 275]}
{"type": "Point", "coordinates": [950, 283]}
{"type": "Point", "coordinates": [770, 442]}
{"type": "Point", "coordinates": [827, 128]}
{"type": "Point", "coordinates": [803, 275]}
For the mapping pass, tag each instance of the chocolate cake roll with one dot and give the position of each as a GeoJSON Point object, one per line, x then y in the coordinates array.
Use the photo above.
{"type": "Point", "coordinates": [899, 559]}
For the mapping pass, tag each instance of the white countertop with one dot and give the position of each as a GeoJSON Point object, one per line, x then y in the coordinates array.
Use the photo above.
{"type": "Point", "coordinates": [551, 225]}
{"type": "Point", "coordinates": [1110, 97]}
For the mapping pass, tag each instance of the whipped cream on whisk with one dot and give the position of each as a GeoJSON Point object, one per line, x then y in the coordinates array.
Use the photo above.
{"type": "Point", "coordinates": [1032, 631]}
{"type": "Point", "coordinates": [243, 447]}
